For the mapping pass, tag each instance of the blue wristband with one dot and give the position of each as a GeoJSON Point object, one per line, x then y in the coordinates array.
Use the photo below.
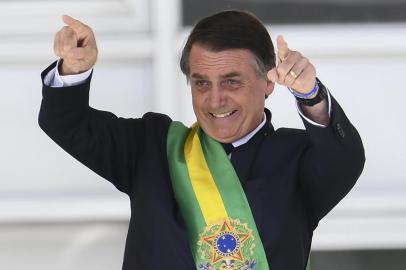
{"type": "Point", "coordinates": [307, 95]}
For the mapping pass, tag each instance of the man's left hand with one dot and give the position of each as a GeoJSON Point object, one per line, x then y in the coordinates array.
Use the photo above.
{"type": "Point", "coordinates": [293, 69]}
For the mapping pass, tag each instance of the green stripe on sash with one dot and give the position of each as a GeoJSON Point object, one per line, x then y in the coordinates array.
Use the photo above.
{"type": "Point", "coordinates": [188, 203]}
{"type": "Point", "coordinates": [219, 221]}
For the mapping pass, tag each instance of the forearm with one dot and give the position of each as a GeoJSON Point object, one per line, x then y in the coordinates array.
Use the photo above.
{"type": "Point", "coordinates": [318, 113]}
{"type": "Point", "coordinates": [98, 139]}
{"type": "Point", "coordinates": [63, 106]}
{"type": "Point", "coordinates": [333, 162]}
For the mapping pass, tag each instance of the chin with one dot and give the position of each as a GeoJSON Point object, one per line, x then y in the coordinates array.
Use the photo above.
{"type": "Point", "coordinates": [223, 138]}
{"type": "Point", "coordinates": [223, 135]}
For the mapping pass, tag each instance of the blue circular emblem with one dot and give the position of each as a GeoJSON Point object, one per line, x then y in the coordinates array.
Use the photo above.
{"type": "Point", "coordinates": [227, 243]}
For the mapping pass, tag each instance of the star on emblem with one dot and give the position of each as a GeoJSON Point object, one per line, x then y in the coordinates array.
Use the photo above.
{"type": "Point", "coordinates": [226, 243]}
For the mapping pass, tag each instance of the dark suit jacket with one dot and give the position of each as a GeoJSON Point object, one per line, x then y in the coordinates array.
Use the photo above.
{"type": "Point", "coordinates": [291, 177]}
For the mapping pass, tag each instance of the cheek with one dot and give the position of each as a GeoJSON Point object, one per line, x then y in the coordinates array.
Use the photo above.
{"type": "Point", "coordinates": [194, 99]}
{"type": "Point", "coordinates": [197, 103]}
{"type": "Point", "coordinates": [255, 102]}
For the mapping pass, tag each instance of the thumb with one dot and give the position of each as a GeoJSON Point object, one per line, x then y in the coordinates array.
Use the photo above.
{"type": "Point", "coordinates": [283, 49]}
{"type": "Point", "coordinates": [76, 25]}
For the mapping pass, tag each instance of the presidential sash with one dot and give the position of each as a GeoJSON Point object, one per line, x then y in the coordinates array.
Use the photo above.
{"type": "Point", "coordinates": [221, 229]}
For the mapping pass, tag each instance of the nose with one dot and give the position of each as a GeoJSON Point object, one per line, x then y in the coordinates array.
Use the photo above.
{"type": "Point", "coordinates": [217, 97]}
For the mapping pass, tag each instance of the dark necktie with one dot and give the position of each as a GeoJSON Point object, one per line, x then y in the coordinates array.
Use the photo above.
{"type": "Point", "coordinates": [228, 147]}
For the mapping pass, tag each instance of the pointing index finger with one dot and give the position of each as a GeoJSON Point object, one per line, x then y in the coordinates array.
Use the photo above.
{"type": "Point", "coordinates": [283, 49]}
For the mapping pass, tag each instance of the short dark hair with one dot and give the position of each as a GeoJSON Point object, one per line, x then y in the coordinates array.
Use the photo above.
{"type": "Point", "coordinates": [231, 29]}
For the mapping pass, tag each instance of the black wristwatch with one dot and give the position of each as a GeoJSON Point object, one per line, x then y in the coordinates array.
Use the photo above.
{"type": "Point", "coordinates": [321, 94]}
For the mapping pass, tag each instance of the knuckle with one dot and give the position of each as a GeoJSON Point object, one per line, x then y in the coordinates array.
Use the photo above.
{"type": "Point", "coordinates": [69, 30]}
{"type": "Point", "coordinates": [281, 70]}
{"type": "Point", "coordinates": [65, 29]}
{"type": "Point", "coordinates": [89, 31]}
{"type": "Point", "coordinates": [65, 35]}
{"type": "Point", "coordinates": [71, 33]}
{"type": "Point", "coordinates": [296, 55]}
{"type": "Point", "coordinates": [305, 60]}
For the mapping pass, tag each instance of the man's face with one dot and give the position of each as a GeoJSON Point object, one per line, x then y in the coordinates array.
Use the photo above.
{"type": "Point", "coordinates": [228, 93]}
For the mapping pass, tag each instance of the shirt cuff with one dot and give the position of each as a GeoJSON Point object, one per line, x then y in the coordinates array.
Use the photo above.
{"type": "Point", "coordinates": [308, 119]}
{"type": "Point", "coordinates": [54, 79]}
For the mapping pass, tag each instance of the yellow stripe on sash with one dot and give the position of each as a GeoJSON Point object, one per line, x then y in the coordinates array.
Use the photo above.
{"type": "Point", "coordinates": [203, 184]}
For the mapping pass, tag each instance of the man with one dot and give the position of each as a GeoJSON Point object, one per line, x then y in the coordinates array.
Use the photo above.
{"type": "Point", "coordinates": [195, 201]}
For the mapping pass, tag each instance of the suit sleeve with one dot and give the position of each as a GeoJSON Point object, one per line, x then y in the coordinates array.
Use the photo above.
{"type": "Point", "coordinates": [331, 164]}
{"type": "Point", "coordinates": [105, 143]}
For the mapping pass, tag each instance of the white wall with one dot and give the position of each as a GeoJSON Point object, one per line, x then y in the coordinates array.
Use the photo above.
{"type": "Point", "coordinates": [363, 65]}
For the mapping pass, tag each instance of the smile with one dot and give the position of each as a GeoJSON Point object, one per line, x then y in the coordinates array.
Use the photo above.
{"type": "Point", "coordinates": [222, 115]}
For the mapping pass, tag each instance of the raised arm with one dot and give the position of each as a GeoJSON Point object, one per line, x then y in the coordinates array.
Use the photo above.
{"type": "Point", "coordinates": [108, 145]}
{"type": "Point", "coordinates": [335, 158]}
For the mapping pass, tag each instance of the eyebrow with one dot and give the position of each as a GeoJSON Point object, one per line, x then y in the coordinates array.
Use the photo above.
{"type": "Point", "coordinates": [198, 76]}
{"type": "Point", "coordinates": [228, 75]}
{"type": "Point", "coordinates": [231, 74]}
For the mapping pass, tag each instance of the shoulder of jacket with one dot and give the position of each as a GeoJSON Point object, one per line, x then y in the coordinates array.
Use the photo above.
{"type": "Point", "coordinates": [294, 132]}
{"type": "Point", "coordinates": [291, 136]}
{"type": "Point", "coordinates": [156, 123]}
{"type": "Point", "coordinates": [159, 118]}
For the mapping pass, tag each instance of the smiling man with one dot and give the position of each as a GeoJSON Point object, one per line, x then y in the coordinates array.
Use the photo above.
{"type": "Point", "coordinates": [230, 192]}
{"type": "Point", "coordinates": [228, 93]}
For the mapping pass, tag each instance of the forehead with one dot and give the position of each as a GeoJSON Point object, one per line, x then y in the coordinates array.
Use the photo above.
{"type": "Point", "coordinates": [204, 61]}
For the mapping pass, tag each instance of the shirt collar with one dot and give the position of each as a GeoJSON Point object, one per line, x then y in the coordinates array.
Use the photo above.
{"type": "Point", "coordinates": [247, 137]}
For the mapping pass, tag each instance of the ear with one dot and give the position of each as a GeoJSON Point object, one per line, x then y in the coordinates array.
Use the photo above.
{"type": "Point", "coordinates": [270, 86]}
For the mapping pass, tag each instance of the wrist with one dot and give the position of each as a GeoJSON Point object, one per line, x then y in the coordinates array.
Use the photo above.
{"type": "Point", "coordinates": [65, 70]}
{"type": "Point", "coordinates": [315, 98]}
{"type": "Point", "coordinates": [309, 95]}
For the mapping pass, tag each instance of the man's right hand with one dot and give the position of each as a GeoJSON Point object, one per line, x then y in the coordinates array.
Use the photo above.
{"type": "Point", "coordinates": [76, 45]}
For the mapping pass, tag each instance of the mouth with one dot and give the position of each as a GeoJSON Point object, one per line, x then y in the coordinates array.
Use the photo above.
{"type": "Point", "coordinates": [222, 115]}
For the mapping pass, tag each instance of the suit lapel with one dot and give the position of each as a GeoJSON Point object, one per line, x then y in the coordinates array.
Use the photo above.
{"type": "Point", "coordinates": [244, 156]}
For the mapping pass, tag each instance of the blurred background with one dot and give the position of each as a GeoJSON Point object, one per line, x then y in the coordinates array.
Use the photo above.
{"type": "Point", "coordinates": [57, 214]}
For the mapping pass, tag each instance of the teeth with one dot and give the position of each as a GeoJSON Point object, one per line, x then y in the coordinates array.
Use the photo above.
{"type": "Point", "coordinates": [222, 115]}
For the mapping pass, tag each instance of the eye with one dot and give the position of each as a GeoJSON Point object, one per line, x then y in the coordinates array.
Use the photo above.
{"type": "Point", "coordinates": [232, 83]}
{"type": "Point", "coordinates": [201, 83]}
